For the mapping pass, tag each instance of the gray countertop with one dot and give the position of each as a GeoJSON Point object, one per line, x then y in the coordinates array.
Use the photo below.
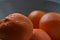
{"type": "Point", "coordinates": [26, 6]}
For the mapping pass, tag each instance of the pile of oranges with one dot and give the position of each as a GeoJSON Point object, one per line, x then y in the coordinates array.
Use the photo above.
{"type": "Point", "coordinates": [37, 26]}
{"type": "Point", "coordinates": [46, 26]}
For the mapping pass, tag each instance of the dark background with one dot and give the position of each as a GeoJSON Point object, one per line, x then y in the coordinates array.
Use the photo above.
{"type": "Point", "coordinates": [26, 6]}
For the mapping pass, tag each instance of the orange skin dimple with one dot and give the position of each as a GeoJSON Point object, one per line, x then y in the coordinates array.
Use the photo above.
{"type": "Point", "coordinates": [39, 34]}
{"type": "Point", "coordinates": [51, 24]}
{"type": "Point", "coordinates": [35, 16]}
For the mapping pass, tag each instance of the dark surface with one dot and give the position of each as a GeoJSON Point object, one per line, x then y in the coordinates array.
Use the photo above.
{"type": "Point", "coordinates": [26, 6]}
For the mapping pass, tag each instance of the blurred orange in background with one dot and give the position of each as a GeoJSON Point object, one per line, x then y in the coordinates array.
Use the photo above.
{"type": "Point", "coordinates": [35, 17]}
{"type": "Point", "coordinates": [39, 34]}
{"type": "Point", "coordinates": [51, 24]}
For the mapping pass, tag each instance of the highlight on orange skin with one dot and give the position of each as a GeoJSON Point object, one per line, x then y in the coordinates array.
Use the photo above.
{"type": "Point", "coordinates": [51, 24]}
{"type": "Point", "coordinates": [39, 34]}
{"type": "Point", "coordinates": [16, 27]}
{"type": "Point", "coordinates": [35, 16]}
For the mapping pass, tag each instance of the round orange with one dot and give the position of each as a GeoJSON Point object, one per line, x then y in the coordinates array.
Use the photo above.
{"type": "Point", "coordinates": [51, 24]}
{"type": "Point", "coordinates": [35, 16]}
{"type": "Point", "coordinates": [16, 27]}
{"type": "Point", "coordinates": [39, 34]}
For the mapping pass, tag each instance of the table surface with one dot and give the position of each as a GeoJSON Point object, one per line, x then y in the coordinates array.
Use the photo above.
{"type": "Point", "coordinates": [26, 6]}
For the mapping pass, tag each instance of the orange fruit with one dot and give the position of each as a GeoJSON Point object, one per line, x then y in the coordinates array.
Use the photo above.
{"type": "Point", "coordinates": [39, 34]}
{"type": "Point", "coordinates": [16, 27]}
{"type": "Point", "coordinates": [51, 24]}
{"type": "Point", "coordinates": [35, 16]}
